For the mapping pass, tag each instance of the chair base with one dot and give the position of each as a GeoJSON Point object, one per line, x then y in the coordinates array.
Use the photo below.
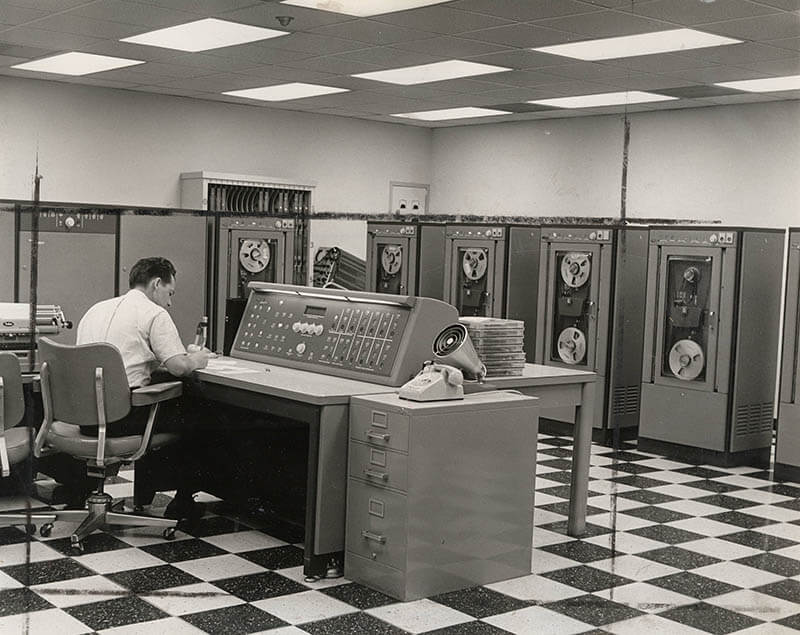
{"type": "Point", "coordinates": [27, 520]}
{"type": "Point", "coordinates": [99, 515]}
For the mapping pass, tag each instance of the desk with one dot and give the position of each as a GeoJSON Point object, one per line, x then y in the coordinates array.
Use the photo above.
{"type": "Point", "coordinates": [322, 402]}
{"type": "Point", "coordinates": [557, 387]}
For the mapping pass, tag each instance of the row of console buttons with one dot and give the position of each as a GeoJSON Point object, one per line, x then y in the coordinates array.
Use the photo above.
{"type": "Point", "coordinates": [306, 328]}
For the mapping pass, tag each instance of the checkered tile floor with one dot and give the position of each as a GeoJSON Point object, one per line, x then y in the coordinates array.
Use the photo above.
{"type": "Point", "coordinates": [672, 548]}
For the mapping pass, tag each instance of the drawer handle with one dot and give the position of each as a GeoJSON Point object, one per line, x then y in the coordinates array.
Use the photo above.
{"type": "Point", "coordinates": [383, 476]}
{"type": "Point", "coordinates": [368, 535]}
{"type": "Point", "coordinates": [378, 436]}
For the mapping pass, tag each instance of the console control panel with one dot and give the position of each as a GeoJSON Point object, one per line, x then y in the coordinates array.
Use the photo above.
{"type": "Point", "coordinates": [374, 337]}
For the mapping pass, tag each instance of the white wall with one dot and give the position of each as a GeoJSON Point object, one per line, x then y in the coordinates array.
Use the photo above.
{"type": "Point", "coordinates": [565, 167]}
{"type": "Point", "coordinates": [738, 164]}
{"type": "Point", "coordinates": [99, 145]}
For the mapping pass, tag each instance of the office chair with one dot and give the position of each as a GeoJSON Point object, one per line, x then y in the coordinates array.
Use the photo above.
{"type": "Point", "coordinates": [85, 386]}
{"type": "Point", "coordinates": [15, 443]}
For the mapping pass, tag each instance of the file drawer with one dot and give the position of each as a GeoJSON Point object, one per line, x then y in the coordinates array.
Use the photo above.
{"type": "Point", "coordinates": [378, 466]}
{"type": "Point", "coordinates": [380, 427]}
{"type": "Point", "coordinates": [377, 524]}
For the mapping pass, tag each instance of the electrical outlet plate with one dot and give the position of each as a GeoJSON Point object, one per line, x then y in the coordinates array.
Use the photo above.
{"type": "Point", "coordinates": [408, 198]}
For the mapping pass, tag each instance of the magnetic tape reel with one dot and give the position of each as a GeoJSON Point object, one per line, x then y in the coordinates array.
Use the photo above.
{"type": "Point", "coordinates": [391, 259]}
{"type": "Point", "coordinates": [686, 359]}
{"type": "Point", "coordinates": [572, 345]}
{"type": "Point", "coordinates": [474, 263]}
{"type": "Point", "coordinates": [575, 269]}
{"type": "Point", "coordinates": [254, 255]}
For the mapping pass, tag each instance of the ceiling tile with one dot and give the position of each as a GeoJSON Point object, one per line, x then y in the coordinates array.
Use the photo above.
{"type": "Point", "coordinates": [19, 50]}
{"type": "Point", "coordinates": [791, 43]}
{"type": "Point", "coordinates": [744, 53]}
{"type": "Point", "coordinates": [776, 68]}
{"type": "Point", "coordinates": [213, 63]}
{"type": "Point", "coordinates": [388, 57]}
{"type": "Point", "coordinates": [521, 35]}
{"type": "Point", "coordinates": [265, 14]}
{"type": "Point", "coordinates": [451, 47]}
{"type": "Point", "coordinates": [48, 5]}
{"type": "Point", "coordinates": [787, 5]}
{"type": "Point", "coordinates": [768, 27]}
{"type": "Point", "coordinates": [372, 32]}
{"type": "Point", "coordinates": [255, 53]}
{"type": "Point", "coordinates": [124, 75]}
{"type": "Point", "coordinates": [50, 40]}
{"type": "Point", "coordinates": [216, 83]}
{"type": "Point", "coordinates": [66, 23]}
{"type": "Point", "coordinates": [523, 107]}
{"type": "Point", "coordinates": [527, 78]}
{"type": "Point", "coordinates": [466, 85]}
{"type": "Point", "coordinates": [441, 19]}
{"type": "Point", "coordinates": [605, 24]}
{"type": "Point", "coordinates": [333, 65]}
{"type": "Point", "coordinates": [128, 51]}
{"type": "Point", "coordinates": [519, 59]}
{"type": "Point", "coordinates": [18, 15]}
{"type": "Point", "coordinates": [280, 74]}
{"type": "Point", "coordinates": [204, 8]}
{"type": "Point", "coordinates": [133, 13]}
{"type": "Point", "coordinates": [644, 81]}
{"type": "Point", "coordinates": [524, 10]}
{"type": "Point", "coordinates": [693, 12]}
{"type": "Point", "coordinates": [169, 70]}
{"type": "Point", "coordinates": [314, 44]}
{"type": "Point", "coordinates": [8, 60]}
{"type": "Point", "coordinates": [742, 98]}
{"type": "Point", "coordinates": [590, 71]}
{"type": "Point", "coordinates": [662, 63]}
{"type": "Point", "coordinates": [715, 74]}
{"type": "Point", "coordinates": [692, 92]}
{"type": "Point", "coordinates": [166, 90]}
{"type": "Point", "coordinates": [96, 80]}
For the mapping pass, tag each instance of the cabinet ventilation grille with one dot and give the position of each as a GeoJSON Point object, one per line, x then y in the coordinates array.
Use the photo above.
{"type": "Point", "coordinates": [753, 418]}
{"type": "Point", "coordinates": [625, 400]}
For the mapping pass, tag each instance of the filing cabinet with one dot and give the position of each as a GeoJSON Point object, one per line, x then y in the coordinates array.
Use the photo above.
{"type": "Point", "coordinates": [440, 494]}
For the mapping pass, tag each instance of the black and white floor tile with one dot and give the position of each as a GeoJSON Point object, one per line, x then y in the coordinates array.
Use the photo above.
{"type": "Point", "coordinates": [671, 548]}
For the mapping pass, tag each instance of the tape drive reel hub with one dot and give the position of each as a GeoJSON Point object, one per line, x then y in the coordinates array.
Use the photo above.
{"type": "Point", "coordinates": [474, 263]}
{"type": "Point", "coordinates": [575, 269]}
{"type": "Point", "coordinates": [572, 345]}
{"type": "Point", "coordinates": [391, 259]}
{"type": "Point", "coordinates": [686, 359]}
{"type": "Point", "coordinates": [254, 255]}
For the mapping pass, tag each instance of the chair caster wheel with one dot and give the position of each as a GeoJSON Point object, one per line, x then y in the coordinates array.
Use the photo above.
{"type": "Point", "coordinates": [169, 533]}
{"type": "Point", "coordinates": [45, 530]}
{"type": "Point", "coordinates": [30, 529]}
{"type": "Point", "coordinates": [75, 547]}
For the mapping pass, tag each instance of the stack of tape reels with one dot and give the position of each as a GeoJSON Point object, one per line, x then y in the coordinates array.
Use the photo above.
{"type": "Point", "coordinates": [498, 343]}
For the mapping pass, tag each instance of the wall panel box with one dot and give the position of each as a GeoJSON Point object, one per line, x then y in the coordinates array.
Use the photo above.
{"type": "Point", "coordinates": [7, 253]}
{"type": "Point", "coordinates": [711, 344]}
{"type": "Point", "coordinates": [787, 450]}
{"type": "Point", "coordinates": [440, 494]}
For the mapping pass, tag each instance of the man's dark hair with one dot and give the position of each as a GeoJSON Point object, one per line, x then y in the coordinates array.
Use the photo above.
{"type": "Point", "coordinates": [148, 268]}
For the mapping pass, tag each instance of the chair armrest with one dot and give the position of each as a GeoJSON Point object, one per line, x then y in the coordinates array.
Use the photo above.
{"type": "Point", "coordinates": [149, 395]}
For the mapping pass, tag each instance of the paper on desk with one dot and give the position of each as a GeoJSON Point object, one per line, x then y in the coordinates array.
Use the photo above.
{"type": "Point", "coordinates": [14, 311]}
{"type": "Point", "coordinates": [224, 366]}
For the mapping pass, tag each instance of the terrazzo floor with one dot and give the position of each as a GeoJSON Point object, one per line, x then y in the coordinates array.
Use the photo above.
{"type": "Point", "coordinates": [671, 548]}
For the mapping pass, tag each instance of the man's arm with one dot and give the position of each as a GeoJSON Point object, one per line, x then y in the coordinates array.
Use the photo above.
{"type": "Point", "coordinates": [185, 364]}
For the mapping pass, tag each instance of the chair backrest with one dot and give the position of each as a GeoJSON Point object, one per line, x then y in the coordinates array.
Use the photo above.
{"type": "Point", "coordinates": [13, 401]}
{"type": "Point", "coordinates": [68, 381]}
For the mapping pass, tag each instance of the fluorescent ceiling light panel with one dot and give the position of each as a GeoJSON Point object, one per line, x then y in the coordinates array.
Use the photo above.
{"type": "Point", "coordinates": [284, 92]}
{"type": "Point", "coordinates": [436, 72]}
{"type": "Point", "coordinates": [75, 63]}
{"type": "Point", "coordinates": [452, 113]}
{"type": "Point", "coordinates": [641, 44]}
{"type": "Point", "coordinates": [204, 35]}
{"type": "Point", "coordinates": [363, 8]}
{"type": "Point", "coordinates": [603, 99]}
{"type": "Point", "coordinates": [766, 85]}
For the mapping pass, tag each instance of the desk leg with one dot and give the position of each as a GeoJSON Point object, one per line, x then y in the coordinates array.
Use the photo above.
{"type": "Point", "coordinates": [326, 494]}
{"type": "Point", "coordinates": [581, 453]}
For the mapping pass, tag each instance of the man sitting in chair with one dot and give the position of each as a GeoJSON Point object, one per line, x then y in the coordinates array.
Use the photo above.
{"type": "Point", "coordinates": [138, 324]}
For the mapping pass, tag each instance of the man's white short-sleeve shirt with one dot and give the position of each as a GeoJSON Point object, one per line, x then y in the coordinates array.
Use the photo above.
{"type": "Point", "coordinates": [142, 331]}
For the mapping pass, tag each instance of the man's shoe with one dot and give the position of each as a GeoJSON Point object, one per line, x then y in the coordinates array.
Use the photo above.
{"type": "Point", "coordinates": [184, 509]}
